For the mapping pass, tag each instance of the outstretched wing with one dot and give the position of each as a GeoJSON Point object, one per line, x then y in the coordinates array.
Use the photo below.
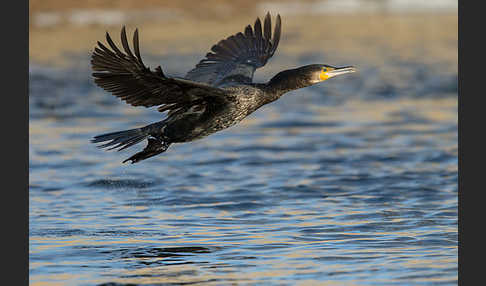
{"type": "Point", "coordinates": [126, 76]}
{"type": "Point", "coordinates": [237, 57]}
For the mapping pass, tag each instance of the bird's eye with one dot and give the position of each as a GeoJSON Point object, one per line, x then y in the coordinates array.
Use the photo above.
{"type": "Point", "coordinates": [324, 69]}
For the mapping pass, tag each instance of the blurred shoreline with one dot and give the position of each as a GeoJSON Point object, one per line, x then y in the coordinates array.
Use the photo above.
{"type": "Point", "coordinates": [178, 34]}
{"type": "Point", "coordinates": [415, 37]}
{"type": "Point", "coordinates": [217, 7]}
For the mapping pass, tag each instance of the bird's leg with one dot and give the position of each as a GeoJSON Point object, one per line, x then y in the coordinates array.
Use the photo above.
{"type": "Point", "coordinates": [154, 147]}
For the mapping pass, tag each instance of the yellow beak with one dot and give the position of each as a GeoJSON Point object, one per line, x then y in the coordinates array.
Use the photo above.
{"type": "Point", "coordinates": [331, 72]}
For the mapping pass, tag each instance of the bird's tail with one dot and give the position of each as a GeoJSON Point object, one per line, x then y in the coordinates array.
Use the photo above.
{"type": "Point", "coordinates": [127, 138]}
{"type": "Point", "coordinates": [121, 139]}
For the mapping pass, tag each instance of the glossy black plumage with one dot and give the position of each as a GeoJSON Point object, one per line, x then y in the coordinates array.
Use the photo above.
{"type": "Point", "coordinates": [218, 93]}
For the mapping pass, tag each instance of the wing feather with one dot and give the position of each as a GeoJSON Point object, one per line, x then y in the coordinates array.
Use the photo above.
{"type": "Point", "coordinates": [126, 76]}
{"type": "Point", "coordinates": [237, 57]}
{"type": "Point", "coordinates": [276, 35]}
{"type": "Point", "coordinates": [267, 28]}
{"type": "Point", "coordinates": [258, 36]}
{"type": "Point", "coordinates": [126, 47]}
{"type": "Point", "coordinates": [136, 47]}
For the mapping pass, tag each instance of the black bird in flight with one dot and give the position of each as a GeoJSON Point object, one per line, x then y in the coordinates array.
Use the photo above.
{"type": "Point", "coordinates": [218, 93]}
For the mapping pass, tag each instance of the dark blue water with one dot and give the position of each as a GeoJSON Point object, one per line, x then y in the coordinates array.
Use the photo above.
{"type": "Point", "coordinates": [353, 181]}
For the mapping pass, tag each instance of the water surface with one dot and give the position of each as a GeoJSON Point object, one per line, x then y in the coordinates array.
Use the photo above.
{"type": "Point", "coordinates": [350, 182]}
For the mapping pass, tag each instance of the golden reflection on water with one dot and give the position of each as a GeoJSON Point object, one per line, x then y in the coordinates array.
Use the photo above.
{"type": "Point", "coordinates": [355, 113]}
{"type": "Point", "coordinates": [192, 273]}
{"type": "Point", "coordinates": [371, 39]}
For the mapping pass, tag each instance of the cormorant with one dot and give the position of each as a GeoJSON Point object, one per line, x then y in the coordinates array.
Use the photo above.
{"type": "Point", "coordinates": [218, 93]}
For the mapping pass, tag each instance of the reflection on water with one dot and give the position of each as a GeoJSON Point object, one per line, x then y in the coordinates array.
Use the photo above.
{"type": "Point", "coordinates": [353, 181]}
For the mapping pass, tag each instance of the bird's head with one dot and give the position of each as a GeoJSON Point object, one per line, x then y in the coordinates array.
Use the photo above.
{"type": "Point", "coordinates": [305, 76]}
{"type": "Point", "coordinates": [316, 73]}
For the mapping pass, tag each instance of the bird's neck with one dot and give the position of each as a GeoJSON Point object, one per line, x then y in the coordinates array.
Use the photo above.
{"type": "Point", "coordinates": [284, 82]}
